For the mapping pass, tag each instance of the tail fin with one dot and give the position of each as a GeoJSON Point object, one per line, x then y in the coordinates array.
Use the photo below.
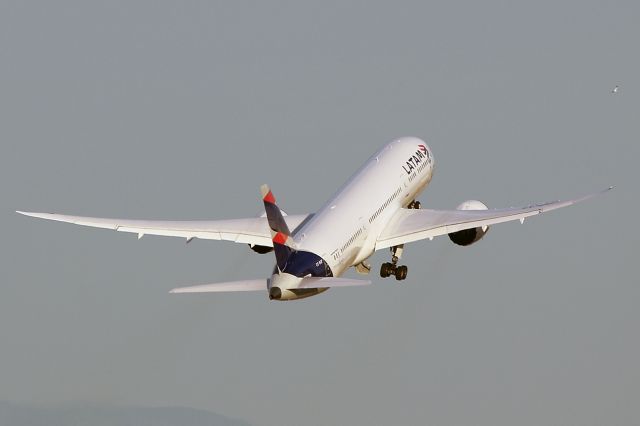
{"type": "Point", "coordinates": [282, 243]}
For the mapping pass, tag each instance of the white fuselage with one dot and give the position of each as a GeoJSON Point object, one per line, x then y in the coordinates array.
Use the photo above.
{"type": "Point", "coordinates": [345, 229]}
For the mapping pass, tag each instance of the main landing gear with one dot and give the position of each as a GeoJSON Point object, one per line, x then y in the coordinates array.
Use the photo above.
{"type": "Point", "coordinates": [400, 272]}
{"type": "Point", "coordinates": [387, 269]}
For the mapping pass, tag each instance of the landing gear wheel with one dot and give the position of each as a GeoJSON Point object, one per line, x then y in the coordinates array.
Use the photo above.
{"type": "Point", "coordinates": [387, 269]}
{"type": "Point", "coordinates": [401, 272]}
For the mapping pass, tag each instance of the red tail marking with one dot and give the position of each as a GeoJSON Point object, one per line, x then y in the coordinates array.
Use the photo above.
{"type": "Point", "coordinates": [279, 238]}
{"type": "Point", "coordinates": [269, 198]}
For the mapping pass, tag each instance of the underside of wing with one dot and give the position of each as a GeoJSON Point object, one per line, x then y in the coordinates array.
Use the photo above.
{"type": "Point", "coordinates": [253, 230]}
{"type": "Point", "coordinates": [412, 225]}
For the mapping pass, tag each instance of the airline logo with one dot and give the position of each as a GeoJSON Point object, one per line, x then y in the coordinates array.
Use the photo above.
{"type": "Point", "coordinates": [280, 238]}
{"type": "Point", "coordinates": [422, 154]}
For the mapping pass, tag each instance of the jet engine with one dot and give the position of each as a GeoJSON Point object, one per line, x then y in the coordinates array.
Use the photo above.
{"type": "Point", "coordinates": [469, 236]}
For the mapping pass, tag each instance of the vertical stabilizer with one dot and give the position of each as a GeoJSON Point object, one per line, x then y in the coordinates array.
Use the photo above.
{"type": "Point", "coordinates": [280, 235]}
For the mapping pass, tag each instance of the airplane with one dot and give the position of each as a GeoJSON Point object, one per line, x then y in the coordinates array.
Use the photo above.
{"type": "Point", "coordinates": [375, 209]}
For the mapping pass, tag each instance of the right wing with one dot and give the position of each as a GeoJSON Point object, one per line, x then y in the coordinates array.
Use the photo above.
{"type": "Point", "coordinates": [410, 225]}
{"type": "Point", "coordinates": [253, 230]}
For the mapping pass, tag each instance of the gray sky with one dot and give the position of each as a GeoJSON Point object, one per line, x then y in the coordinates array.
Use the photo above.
{"type": "Point", "coordinates": [182, 109]}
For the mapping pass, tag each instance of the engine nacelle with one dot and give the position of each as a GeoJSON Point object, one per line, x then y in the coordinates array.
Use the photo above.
{"type": "Point", "coordinates": [469, 236]}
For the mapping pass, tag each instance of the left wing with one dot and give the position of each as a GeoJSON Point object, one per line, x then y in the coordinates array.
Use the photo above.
{"type": "Point", "coordinates": [416, 224]}
{"type": "Point", "coordinates": [253, 230]}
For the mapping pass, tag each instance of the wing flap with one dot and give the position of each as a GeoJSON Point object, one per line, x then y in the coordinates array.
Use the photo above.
{"type": "Point", "coordinates": [410, 225]}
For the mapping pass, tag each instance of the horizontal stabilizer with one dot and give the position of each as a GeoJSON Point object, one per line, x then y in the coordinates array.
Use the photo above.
{"type": "Point", "coordinates": [312, 282]}
{"type": "Point", "coordinates": [247, 285]}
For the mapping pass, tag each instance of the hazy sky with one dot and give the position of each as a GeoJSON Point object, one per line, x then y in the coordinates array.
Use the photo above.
{"type": "Point", "coordinates": [180, 110]}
